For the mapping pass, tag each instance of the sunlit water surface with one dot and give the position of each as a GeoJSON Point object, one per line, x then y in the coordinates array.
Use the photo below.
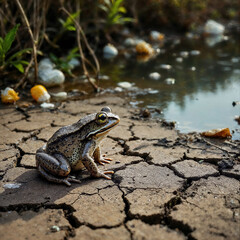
{"type": "Point", "coordinates": [205, 86]}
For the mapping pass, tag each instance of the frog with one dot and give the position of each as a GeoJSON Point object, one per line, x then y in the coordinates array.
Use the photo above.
{"type": "Point", "coordinates": [75, 146]}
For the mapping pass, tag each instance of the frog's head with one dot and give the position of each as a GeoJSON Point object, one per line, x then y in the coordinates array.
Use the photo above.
{"type": "Point", "coordinates": [103, 122]}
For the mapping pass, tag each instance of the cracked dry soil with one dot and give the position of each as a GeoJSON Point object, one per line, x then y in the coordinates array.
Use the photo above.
{"type": "Point", "coordinates": [166, 185]}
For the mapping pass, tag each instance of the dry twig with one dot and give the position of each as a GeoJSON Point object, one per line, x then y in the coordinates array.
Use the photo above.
{"type": "Point", "coordinates": [34, 45]}
{"type": "Point", "coordinates": [83, 59]}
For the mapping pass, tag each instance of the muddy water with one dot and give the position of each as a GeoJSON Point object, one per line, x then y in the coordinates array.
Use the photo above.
{"type": "Point", "coordinates": [206, 83]}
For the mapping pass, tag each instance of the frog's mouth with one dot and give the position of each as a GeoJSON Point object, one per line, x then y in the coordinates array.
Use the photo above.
{"type": "Point", "coordinates": [104, 130]}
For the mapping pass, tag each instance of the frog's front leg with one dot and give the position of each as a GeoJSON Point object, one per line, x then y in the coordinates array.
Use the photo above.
{"type": "Point", "coordinates": [99, 158]}
{"type": "Point", "coordinates": [89, 163]}
{"type": "Point", "coordinates": [54, 168]}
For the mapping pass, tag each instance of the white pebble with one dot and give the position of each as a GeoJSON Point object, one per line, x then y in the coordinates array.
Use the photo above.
{"type": "Point", "coordinates": [45, 63]}
{"type": "Point", "coordinates": [193, 69]}
{"type": "Point", "coordinates": [59, 95]}
{"type": "Point", "coordinates": [51, 77]}
{"type": "Point", "coordinates": [234, 60]}
{"type": "Point", "coordinates": [184, 54]}
{"type": "Point", "coordinates": [74, 62]}
{"type": "Point", "coordinates": [118, 89]}
{"type": "Point", "coordinates": [179, 59]}
{"type": "Point", "coordinates": [110, 51]}
{"type": "Point", "coordinates": [155, 76]}
{"type": "Point", "coordinates": [165, 66]}
{"type": "Point", "coordinates": [195, 52]}
{"type": "Point", "coordinates": [170, 81]}
{"type": "Point", "coordinates": [130, 42]}
{"type": "Point", "coordinates": [47, 105]}
{"type": "Point", "coordinates": [214, 28]}
{"type": "Point", "coordinates": [12, 185]}
{"type": "Point", "coordinates": [125, 84]}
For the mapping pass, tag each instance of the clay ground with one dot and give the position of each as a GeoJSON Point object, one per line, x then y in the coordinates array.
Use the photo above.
{"type": "Point", "coordinates": [165, 186]}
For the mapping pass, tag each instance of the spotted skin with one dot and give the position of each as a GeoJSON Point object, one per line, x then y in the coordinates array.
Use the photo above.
{"type": "Point", "coordinates": [76, 146]}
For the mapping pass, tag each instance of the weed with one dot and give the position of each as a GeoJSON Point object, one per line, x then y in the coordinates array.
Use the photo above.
{"type": "Point", "coordinates": [15, 59]}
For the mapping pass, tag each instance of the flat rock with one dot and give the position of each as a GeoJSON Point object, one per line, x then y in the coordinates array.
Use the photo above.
{"type": "Point", "coordinates": [193, 170]}
{"type": "Point", "coordinates": [141, 230]}
{"type": "Point", "coordinates": [8, 136]}
{"type": "Point", "coordinates": [233, 172]}
{"type": "Point", "coordinates": [28, 160]}
{"type": "Point", "coordinates": [23, 225]}
{"type": "Point", "coordinates": [153, 131]}
{"type": "Point", "coordinates": [8, 157]}
{"type": "Point", "coordinates": [31, 146]}
{"type": "Point", "coordinates": [213, 221]}
{"type": "Point", "coordinates": [160, 155]}
{"type": "Point", "coordinates": [118, 233]}
{"type": "Point", "coordinates": [107, 207]}
{"type": "Point", "coordinates": [220, 185]}
{"type": "Point", "coordinates": [148, 202]}
{"type": "Point", "coordinates": [143, 175]}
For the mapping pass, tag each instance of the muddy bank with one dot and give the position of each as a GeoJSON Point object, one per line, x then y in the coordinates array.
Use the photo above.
{"type": "Point", "coordinates": [165, 186]}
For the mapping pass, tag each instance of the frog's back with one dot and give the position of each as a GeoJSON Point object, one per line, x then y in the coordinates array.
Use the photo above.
{"type": "Point", "coordinates": [71, 130]}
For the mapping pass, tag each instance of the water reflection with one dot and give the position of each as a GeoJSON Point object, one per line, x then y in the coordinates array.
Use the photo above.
{"type": "Point", "coordinates": [207, 81]}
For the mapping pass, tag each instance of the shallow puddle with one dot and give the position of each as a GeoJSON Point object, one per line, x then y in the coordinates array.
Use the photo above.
{"type": "Point", "coordinates": [207, 81]}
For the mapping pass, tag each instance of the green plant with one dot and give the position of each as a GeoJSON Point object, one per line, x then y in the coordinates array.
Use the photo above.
{"type": "Point", "coordinates": [68, 24]}
{"type": "Point", "coordinates": [63, 63]}
{"type": "Point", "coordinates": [15, 59]}
{"type": "Point", "coordinates": [115, 12]}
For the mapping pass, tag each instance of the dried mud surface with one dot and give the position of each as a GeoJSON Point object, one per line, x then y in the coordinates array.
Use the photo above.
{"type": "Point", "coordinates": [166, 185]}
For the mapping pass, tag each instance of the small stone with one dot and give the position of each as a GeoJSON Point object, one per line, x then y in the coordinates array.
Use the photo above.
{"type": "Point", "coordinates": [109, 51]}
{"type": "Point", "coordinates": [74, 62]}
{"type": "Point", "coordinates": [214, 28]}
{"type": "Point", "coordinates": [59, 95]}
{"type": "Point", "coordinates": [233, 172]}
{"type": "Point", "coordinates": [130, 42]}
{"type": "Point", "coordinates": [55, 228]}
{"type": "Point", "coordinates": [165, 66]}
{"type": "Point", "coordinates": [12, 185]}
{"type": "Point", "coordinates": [51, 77]}
{"type": "Point", "coordinates": [145, 113]}
{"type": "Point", "coordinates": [170, 81]}
{"type": "Point", "coordinates": [155, 76]}
{"type": "Point", "coordinates": [195, 52]}
{"type": "Point", "coordinates": [47, 105]}
{"type": "Point", "coordinates": [184, 54]}
{"type": "Point", "coordinates": [125, 84]}
{"type": "Point", "coordinates": [224, 164]}
{"type": "Point", "coordinates": [179, 59]}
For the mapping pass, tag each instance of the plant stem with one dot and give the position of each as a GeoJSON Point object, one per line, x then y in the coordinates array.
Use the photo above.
{"type": "Point", "coordinates": [79, 31]}
{"type": "Point", "coordinates": [34, 45]}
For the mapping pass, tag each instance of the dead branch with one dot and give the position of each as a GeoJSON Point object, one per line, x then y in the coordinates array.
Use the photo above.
{"type": "Point", "coordinates": [79, 31]}
{"type": "Point", "coordinates": [34, 46]}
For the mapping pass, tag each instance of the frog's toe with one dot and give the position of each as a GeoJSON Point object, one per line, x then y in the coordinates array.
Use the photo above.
{"type": "Point", "coordinates": [67, 182]}
{"type": "Point", "coordinates": [106, 176]}
{"type": "Point", "coordinates": [72, 179]}
{"type": "Point", "coordinates": [103, 174]}
{"type": "Point", "coordinates": [105, 160]}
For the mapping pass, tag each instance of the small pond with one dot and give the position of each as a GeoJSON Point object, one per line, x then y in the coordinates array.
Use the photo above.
{"type": "Point", "coordinates": [207, 82]}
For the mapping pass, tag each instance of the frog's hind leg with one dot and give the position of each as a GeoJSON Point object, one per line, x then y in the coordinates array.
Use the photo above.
{"type": "Point", "coordinates": [54, 168]}
{"type": "Point", "coordinates": [52, 178]}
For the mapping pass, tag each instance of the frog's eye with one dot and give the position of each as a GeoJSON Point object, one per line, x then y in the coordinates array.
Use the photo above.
{"type": "Point", "coordinates": [101, 118]}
